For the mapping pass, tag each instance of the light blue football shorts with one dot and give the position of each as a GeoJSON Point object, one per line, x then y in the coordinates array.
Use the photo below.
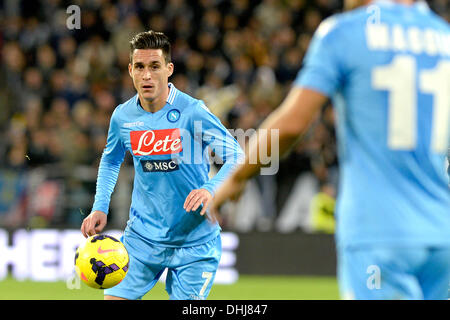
{"type": "Point", "coordinates": [190, 274]}
{"type": "Point", "coordinates": [385, 273]}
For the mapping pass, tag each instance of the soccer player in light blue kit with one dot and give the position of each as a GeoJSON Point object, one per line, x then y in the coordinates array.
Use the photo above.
{"type": "Point", "coordinates": [386, 66]}
{"type": "Point", "coordinates": [168, 134]}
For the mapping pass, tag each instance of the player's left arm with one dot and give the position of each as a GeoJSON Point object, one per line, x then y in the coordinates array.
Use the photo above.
{"type": "Point", "coordinates": [216, 137]}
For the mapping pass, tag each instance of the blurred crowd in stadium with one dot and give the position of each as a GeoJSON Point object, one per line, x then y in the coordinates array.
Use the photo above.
{"type": "Point", "coordinates": [59, 86]}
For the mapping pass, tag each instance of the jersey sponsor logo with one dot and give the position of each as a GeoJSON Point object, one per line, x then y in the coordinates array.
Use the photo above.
{"type": "Point", "coordinates": [167, 165]}
{"type": "Point", "coordinates": [156, 142]}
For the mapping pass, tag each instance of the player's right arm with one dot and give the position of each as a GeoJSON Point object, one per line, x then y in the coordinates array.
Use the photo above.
{"type": "Point", "coordinates": [108, 172]}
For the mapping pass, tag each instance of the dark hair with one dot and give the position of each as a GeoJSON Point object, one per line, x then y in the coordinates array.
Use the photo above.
{"type": "Point", "coordinates": [151, 40]}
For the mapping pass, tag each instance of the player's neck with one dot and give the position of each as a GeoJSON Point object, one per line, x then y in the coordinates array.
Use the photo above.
{"type": "Point", "coordinates": [156, 104]}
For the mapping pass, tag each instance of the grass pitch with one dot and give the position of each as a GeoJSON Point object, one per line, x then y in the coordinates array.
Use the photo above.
{"type": "Point", "coordinates": [246, 288]}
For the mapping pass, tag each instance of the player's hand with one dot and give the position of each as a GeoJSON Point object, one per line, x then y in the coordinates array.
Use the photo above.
{"type": "Point", "coordinates": [196, 198]}
{"type": "Point", "coordinates": [231, 189]}
{"type": "Point", "coordinates": [93, 223]}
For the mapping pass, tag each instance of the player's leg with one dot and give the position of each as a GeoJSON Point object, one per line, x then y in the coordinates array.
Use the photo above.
{"type": "Point", "coordinates": [434, 276]}
{"type": "Point", "coordinates": [192, 271]}
{"type": "Point", "coordinates": [144, 270]}
{"type": "Point", "coordinates": [380, 273]}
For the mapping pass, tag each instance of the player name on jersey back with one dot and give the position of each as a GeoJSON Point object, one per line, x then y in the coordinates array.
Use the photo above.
{"type": "Point", "coordinates": [382, 36]}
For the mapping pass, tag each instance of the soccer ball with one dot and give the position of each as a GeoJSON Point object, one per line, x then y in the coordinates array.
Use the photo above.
{"type": "Point", "coordinates": [101, 261]}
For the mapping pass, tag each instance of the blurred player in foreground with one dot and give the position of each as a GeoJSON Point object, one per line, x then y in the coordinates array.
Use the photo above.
{"type": "Point", "coordinates": [168, 134]}
{"type": "Point", "coordinates": [387, 68]}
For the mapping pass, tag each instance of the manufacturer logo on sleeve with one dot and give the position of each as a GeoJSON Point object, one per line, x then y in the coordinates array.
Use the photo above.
{"type": "Point", "coordinates": [156, 142]}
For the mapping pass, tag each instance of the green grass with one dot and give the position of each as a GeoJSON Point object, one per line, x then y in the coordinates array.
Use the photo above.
{"type": "Point", "coordinates": [246, 288]}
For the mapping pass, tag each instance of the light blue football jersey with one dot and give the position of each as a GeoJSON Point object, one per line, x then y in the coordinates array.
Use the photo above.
{"type": "Point", "coordinates": [386, 67]}
{"type": "Point", "coordinates": [171, 158]}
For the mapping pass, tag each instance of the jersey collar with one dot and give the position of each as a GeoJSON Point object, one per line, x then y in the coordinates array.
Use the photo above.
{"type": "Point", "coordinates": [170, 97]}
{"type": "Point", "coordinates": [172, 93]}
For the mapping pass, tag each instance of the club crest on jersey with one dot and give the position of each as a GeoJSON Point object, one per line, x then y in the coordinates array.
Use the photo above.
{"type": "Point", "coordinates": [156, 142]}
{"type": "Point", "coordinates": [173, 115]}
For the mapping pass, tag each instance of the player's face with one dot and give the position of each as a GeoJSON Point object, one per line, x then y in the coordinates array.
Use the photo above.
{"type": "Point", "coordinates": [150, 73]}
